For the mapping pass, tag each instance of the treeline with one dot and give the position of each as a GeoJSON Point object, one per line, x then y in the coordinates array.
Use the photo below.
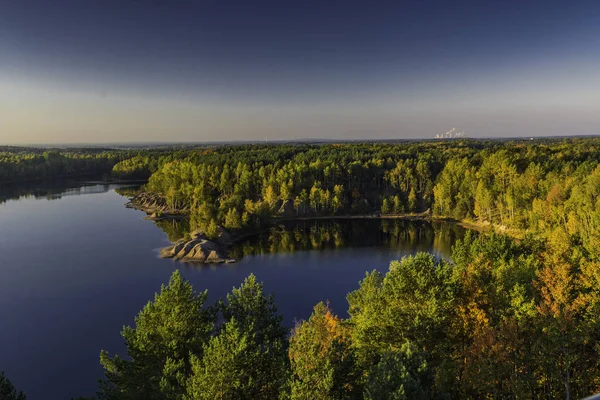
{"type": "Point", "coordinates": [504, 319]}
{"type": "Point", "coordinates": [16, 167]}
{"type": "Point", "coordinates": [8, 391]}
{"type": "Point", "coordinates": [19, 164]}
{"type": "Point", "coordinates": [245, 186]}
{"type": "Point", "coordinates": [538, 189]}
{"type": "Point", "coordinates": [526, 185]}
{"type": "Point", "coordinates": [142, 164]}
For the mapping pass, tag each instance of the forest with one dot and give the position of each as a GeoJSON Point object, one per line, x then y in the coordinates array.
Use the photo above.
{"type": "Point", "coordinates": [22, 164]}
{"type": "Point", "coordinates": [515, 312]}
{"type": "Point", "coordinates": [515, 186]}
{"type": "Point", "coordinates": [503, 318]}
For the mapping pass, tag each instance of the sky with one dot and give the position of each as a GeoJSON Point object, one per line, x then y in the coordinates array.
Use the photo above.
{"type": "Point", "coordinates": [105, 71]}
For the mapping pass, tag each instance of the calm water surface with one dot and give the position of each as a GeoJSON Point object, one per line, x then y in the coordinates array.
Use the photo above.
{"type": "Point", "coordinates": [76, 265]}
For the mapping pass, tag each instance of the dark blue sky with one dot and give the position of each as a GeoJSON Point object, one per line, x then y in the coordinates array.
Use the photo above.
{"type": "Point", "coordinates": [98, 71]}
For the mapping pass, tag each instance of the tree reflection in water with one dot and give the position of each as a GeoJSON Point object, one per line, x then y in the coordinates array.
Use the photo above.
{"type": "Point", "coordinates": [291, 236]}
{"type": "Point", "coordinates": [333, 234]}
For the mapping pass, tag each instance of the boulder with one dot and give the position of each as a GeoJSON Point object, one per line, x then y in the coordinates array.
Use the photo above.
{"type": "Point", "coordinates": [152, 204]}
{"type": "Point", "coordinates": [197, 249]}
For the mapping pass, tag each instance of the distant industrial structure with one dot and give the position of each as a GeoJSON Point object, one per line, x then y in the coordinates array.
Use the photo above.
{"type": "Point", "coordinates": [451, 134]}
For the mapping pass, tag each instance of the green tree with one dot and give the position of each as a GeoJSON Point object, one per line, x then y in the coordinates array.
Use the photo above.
{"type": "Point", "coordinates": [322, 361]}
{"type": "Point", "coordinates": [255, 311]}
{"type": "Point", "coordinates": [398, 207]}
{"type": "Point", "coordinates": [232, 219]}
{"type": "Point", "coordinates": [401, 374]}
{"type": "Point", "coordinates": [412, 200]}
{"type": "Point", "coordinates": [270, 197]}
{"type": "Point", "coordinates": [8, 391]}
{"type": "Point", "coordinates": [247, 358]}
{"type": "Point", "coordinates": [412, 302]}
{"type": "Point", "coordinates": [228, 368]}
{"type": "Point", "coordinates": [166, 332]}
{"type": "Point", "coordinates": [297, 204]}
{"type": "Point", "coordinates": [337, 201]}
{"type": "Point", "coordinates": [386, 207]}
{"type": "Point", "coordinates": [315, 196]}
{"type": "Point", "coordinates": [212, 229]}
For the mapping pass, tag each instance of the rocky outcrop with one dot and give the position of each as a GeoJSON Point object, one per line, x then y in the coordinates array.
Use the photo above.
{"type": "Point", "coordinates": [198, 249]}
{"type": "Point", "coordinates": [155, 206]}
{"type": "Point", "coordinates": [151, 203]}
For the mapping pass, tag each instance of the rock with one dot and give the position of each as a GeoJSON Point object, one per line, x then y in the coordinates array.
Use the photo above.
{"type": "Point", "coordinates": [214, 257]}
{"type": "Point", "coordinates": [187, 247]}
{"type": "Point", "coordinates": [197, 254]}
{"type": "Point", "coordinates": [167, 252]}
{"type": "Point", "coordinates": [153, 204]}
{"type": "Point", "coordinates": [197, 249]}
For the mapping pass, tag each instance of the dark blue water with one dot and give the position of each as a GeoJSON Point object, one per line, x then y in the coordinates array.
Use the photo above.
{"type": "Point", "coordinates": [76, 265]}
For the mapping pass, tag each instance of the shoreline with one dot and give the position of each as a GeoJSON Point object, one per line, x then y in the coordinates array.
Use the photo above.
{"type": "Point", "coordinates": [222, 244]}
{"type": "Point", "coordinates": [75, 176]}
{"type": "Point", "coordinates": [422, 216]}
{"type": "Point", "coordinates": [468, 224]}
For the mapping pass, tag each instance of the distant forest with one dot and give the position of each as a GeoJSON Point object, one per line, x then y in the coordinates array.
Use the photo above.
{"type": "Point", "coordinates": [514, 314]}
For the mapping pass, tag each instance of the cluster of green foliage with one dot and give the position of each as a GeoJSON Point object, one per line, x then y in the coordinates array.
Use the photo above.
{"type": "Point", "coordinates": [521, 185]}
{"type": "Point", "coordinates": [181, 349]}
{"type": "Point", "coordinates": [8, 391]}
{"type": "Point", "coordinates": [538, 188]}
{"type": "Point", "coordinates": [503, 319]}
{"type": "Point", "coordinates": [245, 186]}
{"type": "Point", "coordinates": [143, 163]}
{"type": "Point", "coordinates": [21, 164]}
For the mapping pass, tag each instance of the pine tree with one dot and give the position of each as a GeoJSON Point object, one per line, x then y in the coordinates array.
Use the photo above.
{"type": "Point", "coordinates": [386, 208]}
{"type": "Point", "coordinates": [400, 375]}
{"type": "Point", "coordinates": [226, 370]}
{"type": "Point", "coordinates": [322, 361]}
{"type": "Point", "coordinates": [166, 332]}
{"type": "Point", "coordinates": [232, 219]}
{"type": "Point", "coordinates": [212, 230]}
{"type": "Point", "coordinates": [412, 200]}
{"type": "Point", "coordinates": [247, 359]}
{"type": "Point", "coordinates": [8, 391]}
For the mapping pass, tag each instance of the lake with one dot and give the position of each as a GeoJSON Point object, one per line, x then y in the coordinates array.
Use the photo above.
{"type": "Point", "coordinates": [76, 265]}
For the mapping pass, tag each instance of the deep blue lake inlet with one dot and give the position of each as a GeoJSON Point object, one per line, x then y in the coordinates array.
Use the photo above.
{"type": "Point", "coordinates": [76, 265]}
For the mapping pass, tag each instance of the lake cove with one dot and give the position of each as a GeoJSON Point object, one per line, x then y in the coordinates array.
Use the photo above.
{"type": "Point", "coordinates": [96, 264]}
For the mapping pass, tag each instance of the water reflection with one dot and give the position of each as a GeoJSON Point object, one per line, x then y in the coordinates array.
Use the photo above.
{"type": "Point", "coordinates": [436, 237]}
{"type": "Point", "coordinates": [87, 262]}
{"type": "Point", "coordinates": [176, 229]}
{"type": "Point", "coordinates": [292, 236]}
{"type": "Point", "coordinates": [56, 189]}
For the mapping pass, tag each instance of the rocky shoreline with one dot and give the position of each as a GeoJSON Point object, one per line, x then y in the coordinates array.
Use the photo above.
{"type": "Point", "coordinates": [153, 204]}
{"type": "Point", "coordinates": [198, 249]}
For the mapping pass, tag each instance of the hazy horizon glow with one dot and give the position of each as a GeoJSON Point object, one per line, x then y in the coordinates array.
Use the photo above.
{"type": "Point", "coordinates": [104, 71]}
